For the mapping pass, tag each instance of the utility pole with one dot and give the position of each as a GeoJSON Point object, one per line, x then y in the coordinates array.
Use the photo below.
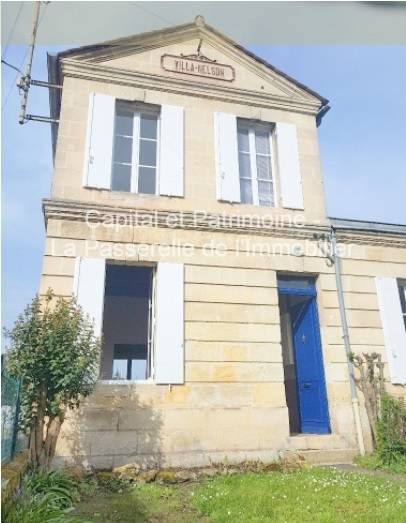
{"type": "Point", "coordinates": [25, 81]}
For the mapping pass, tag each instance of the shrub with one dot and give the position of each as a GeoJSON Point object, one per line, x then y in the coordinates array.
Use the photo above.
{"type": "Point", "coordinates": [391, 430]}
{"type": "Point", "coordinates": [88, 486]}
{"type": "Point", "coordinates": [56, 483]}
{"type": "Point", "coordinates": [112, 483]}
{"type": "Point", "coordinates": [43, 498]}
{"type": "Point", "coordinates": [56, 355]}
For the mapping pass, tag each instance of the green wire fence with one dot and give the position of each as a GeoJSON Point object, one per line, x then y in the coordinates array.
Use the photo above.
{"type": "Point", "coordinates": [11, 443]}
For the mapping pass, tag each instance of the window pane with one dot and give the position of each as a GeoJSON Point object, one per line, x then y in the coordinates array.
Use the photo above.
{"type": "Point", "coordinates": [146, 180]}
{"type": "Point", "coordinates": [123, 149]}
{"type": "Point", "coordinates": [243, 143]}
{"type": "Point", "coordinates": [263, 167]}
{"type": "Point", "coordinates": [119, 370]}
{"type": "Point", "coordinates": [147, 152]}
{"type": "Point", "coordinates": [148, 125]}
{"type": "Point", "coordinates": [265, 193]}
{"type": "Point", "coordinates": [245, 167]}
{"type": "Point", "coordinates": [121, 180]}
{"type": "Point", "coordinates": [295, 282]}
{"type": "Point", "coordinates": [262, 142]}
{"type": "Point", "coordinates": [124, 122]}
{"type": "Point", "coordinates": [138, 369]}
{"type": "Point", "coordinates": [246, 191]}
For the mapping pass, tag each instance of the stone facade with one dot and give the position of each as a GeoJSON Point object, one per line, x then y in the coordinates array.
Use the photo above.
{"type": "Point", "coordinates": [232, 403]}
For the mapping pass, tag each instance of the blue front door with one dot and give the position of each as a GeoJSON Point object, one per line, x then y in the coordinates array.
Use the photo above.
{"type": "Point", "coordinates": [309, 368]}
{"type": "Point", "coordinates": [300, 299]}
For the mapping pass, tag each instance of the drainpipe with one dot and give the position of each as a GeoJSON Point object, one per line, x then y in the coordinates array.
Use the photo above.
{"type": "Point", "coordinates": [346, 338]}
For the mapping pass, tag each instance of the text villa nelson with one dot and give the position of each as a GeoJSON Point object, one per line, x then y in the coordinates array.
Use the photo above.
{"type": "Point", "coordinates": [198, 67]}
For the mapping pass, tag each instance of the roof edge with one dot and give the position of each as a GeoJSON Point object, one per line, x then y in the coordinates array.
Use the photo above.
{"type": "Point", "coordinates": [199, 23]}
{"type": "Point", "coordinates": [345, 224]}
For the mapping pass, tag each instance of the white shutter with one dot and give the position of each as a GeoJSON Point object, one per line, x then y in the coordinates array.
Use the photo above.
{"type": "Point", "coordinates": [393, 327]}
{"type": "Point", "coordinates": [228, 178]}
{"type": "Point", "coordinates": [89, 288]}
{"type": "Point", "coordinates": [99, 141]}
{"type": "Point", "coordinates": [171, 161]}
{"type": "Point", "coordinates": [169, 358]}
{"type": "Point", "coordinates": [288, 163]}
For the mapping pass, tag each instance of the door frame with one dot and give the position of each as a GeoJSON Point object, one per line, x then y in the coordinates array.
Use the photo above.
{"type": "Point", "coordinates": [311, 292]}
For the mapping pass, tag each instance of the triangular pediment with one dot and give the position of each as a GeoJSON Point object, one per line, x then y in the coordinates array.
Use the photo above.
{"type": "Point", "coordinates": [196, 53]}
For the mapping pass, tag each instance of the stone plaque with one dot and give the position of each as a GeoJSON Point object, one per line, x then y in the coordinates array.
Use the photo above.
{"type": "Point", "coordinates": [198, 66]}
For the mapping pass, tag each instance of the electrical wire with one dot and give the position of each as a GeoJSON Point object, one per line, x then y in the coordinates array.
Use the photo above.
{"type": "Point", "coordinates": [12, 30]}
{"type": "Point", "coordinates": [11, 66]}
{"type": "Point", "coordinates": [13, 83]}
{"type": "Point", "coordinates": [136, 4]}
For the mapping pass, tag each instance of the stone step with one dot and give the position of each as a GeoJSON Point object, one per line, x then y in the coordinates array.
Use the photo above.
{"type": "Point", "coordinates": [316, 442]}
{"type": "Point", "coordinates": [329, 457]}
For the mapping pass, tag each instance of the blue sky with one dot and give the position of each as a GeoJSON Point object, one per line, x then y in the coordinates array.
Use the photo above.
{"type": "Point", "coordinates": [362, 143]}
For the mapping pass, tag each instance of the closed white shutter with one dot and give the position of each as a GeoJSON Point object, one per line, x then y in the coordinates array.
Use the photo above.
{"type": "Point", "coordinates": [171, 161]}
{"type": "Point", "coordinates": [228, 179]}
{"type": "Point", "coordinates": [289, 168]}
{"type": "Point", "coordinates": [99, 141]}
{"type": "Point", "coordinates": [393, 327]}
{"type": "Point", "coordinates": [169, 352]}
{"type": "Point", "coordinates": [89, 288]}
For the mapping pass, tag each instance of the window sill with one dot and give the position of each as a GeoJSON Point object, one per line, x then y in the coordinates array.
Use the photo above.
{"type": "Point", "coordinates": [126, 382]}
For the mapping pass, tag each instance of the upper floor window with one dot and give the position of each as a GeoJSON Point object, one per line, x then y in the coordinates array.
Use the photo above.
{"type": "Point", "coordinates": [402, 293]}
{"type": "Point", "coordinates": [135, 149]}
{"type": "Point", "coordinates": [255, 163]}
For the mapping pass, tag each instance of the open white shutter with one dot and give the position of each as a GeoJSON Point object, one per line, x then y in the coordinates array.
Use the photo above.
{"type": "Point", "coordinates": [288, 163]}
{"type": "Point", "coordinates": [99, 141]}
{"type": "Point", "coordinates": [393, 327]}
{"type": "Point", "coordinates": [171, 161]}
{"type": "Point", "coordinates": [169, 353]}
{"type": "Point", "coordinates": [228, 179]}
{"type": "Point", "coordinates": [89, 288]}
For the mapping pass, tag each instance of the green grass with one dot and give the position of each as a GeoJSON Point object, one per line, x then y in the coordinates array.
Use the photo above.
{"type": "Point", "coordinates": [150, 502]}
{"type": "Point", "coordinates": [315, 495]}
{"type": "Point", "coordinates": [374, 462]}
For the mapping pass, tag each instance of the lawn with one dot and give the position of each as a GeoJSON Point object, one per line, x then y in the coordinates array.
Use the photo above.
{"type": "Point", "coordinates": [314, 495]}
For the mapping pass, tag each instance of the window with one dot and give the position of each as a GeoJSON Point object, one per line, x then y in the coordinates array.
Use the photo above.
{"type": "Point", "coordinates": [127, 323]}
{"type": "Point", "coordinates": [135, 149]}
{"type": "Point", "coordinates": [255, 163]}
{"type": "Point", "coordinates": [402, 293]}
{"type": "Point", "coordinates": [130, 362]}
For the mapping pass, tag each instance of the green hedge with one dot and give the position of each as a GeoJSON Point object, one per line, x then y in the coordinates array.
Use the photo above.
{"type": "Point", "coordinates": [391, 430]}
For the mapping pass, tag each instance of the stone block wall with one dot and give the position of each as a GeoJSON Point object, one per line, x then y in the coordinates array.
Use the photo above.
{"type": "Point", "coordinates": [233, 400]}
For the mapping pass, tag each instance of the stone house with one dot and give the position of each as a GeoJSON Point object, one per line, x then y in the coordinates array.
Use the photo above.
{"type": "Point", "coordinates": [187, 214]}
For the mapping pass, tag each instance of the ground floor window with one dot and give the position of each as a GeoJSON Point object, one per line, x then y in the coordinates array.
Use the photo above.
{"type": "Point", "coordinates": [127, 323]}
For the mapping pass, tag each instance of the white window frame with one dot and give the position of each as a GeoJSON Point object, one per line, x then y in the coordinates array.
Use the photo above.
{"type": "Point", "coordinates": [252, 126]}
{"type": "Point", "coordinates": [151, 333]}
{"type": "Point", "coordinates": [137, 111]}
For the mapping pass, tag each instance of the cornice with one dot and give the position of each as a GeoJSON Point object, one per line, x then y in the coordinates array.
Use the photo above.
{"type": "Point", "coordinates": [140, 80]}
{"type": "Point", "coordinates": [69, 210]}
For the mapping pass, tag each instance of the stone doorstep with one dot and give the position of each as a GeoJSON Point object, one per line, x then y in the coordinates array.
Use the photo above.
{"type": "Point", "coordinates": [304, 442]}
{"type": "Point", "coordinates": [329, 457]}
